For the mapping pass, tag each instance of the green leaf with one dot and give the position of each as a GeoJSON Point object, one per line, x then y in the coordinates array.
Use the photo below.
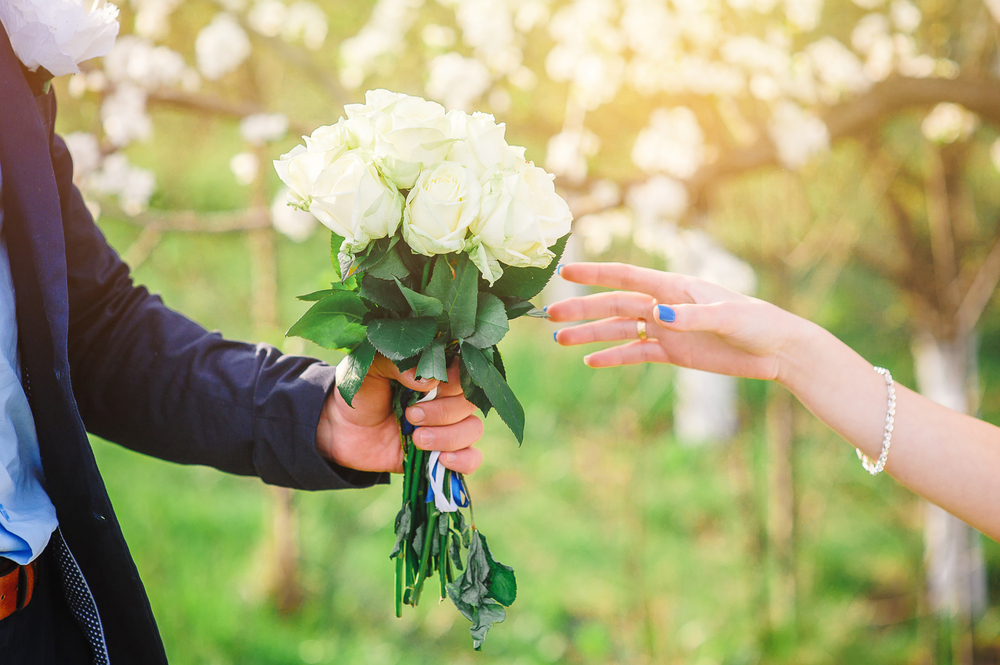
{"type": "Point", "coordinates": [420, 304]}
{"type": "Point", "coordinates": [334, 322]}
{"type": "Point", "coordinates": [383, 293]}
{"type": "Point", "coordinates": [389, 266]}
{"type": "Point", "coordinates": [407, 364]}
{"type": "Point", "coordinates": [470, 593]}
{"type": "Point", "coordinates": [526, 283]}
{"type": "Point", "coordinates": [401, 338]}
{"type": "Point", "coordinates": [404, 519]}
{"type": "Point", "coordinates": [502, 585]}
{"type": "Point", "coordinates": [487, 377]}
{"type": "Point", "coordinates": [491, 322]}
{"type": "Point", "coordinates": [432, 363]}
{"type": "Point", "coordinates": [456, 287]}
{"type": "Point", "coordinates": [516, 307]}
{"type": "Point", "coordinates": [539, 314]}
{"type": "Point", "coordinates": [474, 393]}
{"type": "Point", "coordinates": [376, 252]}
{"type": "Point", "coordinates": [335, 243]}
{"type": "Point", "coordinates": [351, 285]}
{"type": "Point", "coordinates": [485, 616]}
{"type": "Point", "coordinates": [353, 369]}
{"type": "Point", "coordinates": [498, 362]}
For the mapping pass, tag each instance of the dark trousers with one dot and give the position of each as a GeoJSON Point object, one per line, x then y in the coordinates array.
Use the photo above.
{"type": "Point", "coordinates": [44, 632]}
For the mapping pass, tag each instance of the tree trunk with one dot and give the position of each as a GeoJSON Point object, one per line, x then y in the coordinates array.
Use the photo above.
{"type": "Point", "coordinates": [956, 573]}
{"type": "Point", "coordinates": [283, 561]}
{"type": "Point", "coordinates": [781, 506]}
{"type": "Point", "coordinates": [705, 407]}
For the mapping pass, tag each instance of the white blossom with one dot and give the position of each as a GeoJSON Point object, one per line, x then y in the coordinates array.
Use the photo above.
{"type": "Point", "coordinates": [245, 166]}
{"type": "Point", "coordinates": [123, 115]}
{"type": "Point", "coordinates": [306, 21]}
{"type": "Point", "coordinates": [568, 152]}
{"type": "Point", "coordinates": [457, 81]}
{"type": "Point", "coordinates": [660, 197]}
{"type": "Point", "coordinates": [673, 143]}
{"type": "Point", "coordinates": [144, 64]}
{"type": "Point", "coordinates": [383, 35]}
{"type": "Point", "coordinates": [994, 7]}
{"type": "Point", "coordinates": [221, 47]}
{"type": "Point", "coordinates": [804, 14]}
{"type": "Point", "coordinates": [152, 17]}
{"type": "Point", "coordinates": [86, 153]}
{"type": "Point", "coordinates": [437, 36]}
{"type": "Point", "coordinates": [531, 14]}
{"type": "Point", "coordinates": [261, 128]}
{"type": "Point", "coordinates": [487, 27]}
{"type": "Point", "coordinates": [294, 223]}
{"type": "Point", "coordinates": [268, 17]}
{"type": "Point", "coordinates": [59, 34]}
{"type": "Point", "coordinates": [905, 15]}
{"type": "Point", "coordinates": [868, 31]}
{"type": "Point", "coordinates": [797, 135]}
{"type": "Point", "coordinates": [133, 186]}
{"type": "Point", "coordinates": [948, 123]}
{"type": "Point", "coordinates": [838, 70]}
{"type": "Point", "coordinates": [599, 230]}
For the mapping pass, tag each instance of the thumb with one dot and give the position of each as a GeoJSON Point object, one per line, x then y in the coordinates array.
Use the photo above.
{"type": "Point", "coordinates": [689, 318]}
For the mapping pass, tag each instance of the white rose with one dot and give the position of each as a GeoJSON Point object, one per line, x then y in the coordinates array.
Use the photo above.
{"type": "Point", "coordinates": [480, 145]}
{"type": "Point", "coordinates": [59, 34]}
{"type": "Point", "coordinates": [522, 217]}
{"type": "Point", "coordinates": [375, 100]}
{"type": "Point", "coordinates": [407, 134]}
{"type": "Point", "coordinates": [337, 137]}
{"type": "Point", "coordinates": [351, 198]}
{"type": "Point", "coordinates": [299, 169]}
{"type": "Point", "coordinates": [439, 209]}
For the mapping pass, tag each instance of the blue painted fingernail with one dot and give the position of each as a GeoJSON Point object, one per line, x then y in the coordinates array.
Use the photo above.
{"type": "Point", "coordinates": [665, 314]}
{"type": "Point", "coordinates": [559, 268]}
{"type": "Point", "coordinates": [545, 309]}
{"type": "Point", "coordinates": [555, 337]}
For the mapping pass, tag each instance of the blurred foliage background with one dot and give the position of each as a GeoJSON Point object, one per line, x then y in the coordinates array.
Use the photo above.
{"type": "Point", "coordinates": [630, 545]}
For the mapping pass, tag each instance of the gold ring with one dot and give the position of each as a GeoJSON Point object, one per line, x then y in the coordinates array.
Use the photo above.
{"type": "Point", "coordinates": [640, 328]}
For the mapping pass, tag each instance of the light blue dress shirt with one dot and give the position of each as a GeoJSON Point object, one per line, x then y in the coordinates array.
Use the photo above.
{"type": "Point", "coordinates": [27, 516]}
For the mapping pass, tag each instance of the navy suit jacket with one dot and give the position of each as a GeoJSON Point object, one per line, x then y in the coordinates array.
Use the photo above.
{"type": "Point", "coordinates": [100, 354]}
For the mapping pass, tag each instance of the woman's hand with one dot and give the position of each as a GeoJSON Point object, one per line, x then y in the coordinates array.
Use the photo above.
{"type": "Point", "coordinates": [366, 437]}
{"type": "Point", "coordinates": [690, 322]}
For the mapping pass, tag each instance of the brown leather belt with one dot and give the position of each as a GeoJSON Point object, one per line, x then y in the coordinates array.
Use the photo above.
{"type": "Point", "coordinates": [16, 585]}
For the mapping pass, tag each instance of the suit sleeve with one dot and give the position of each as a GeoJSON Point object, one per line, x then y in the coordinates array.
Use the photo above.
{"type": "Point", "coordinates": [154, 381]}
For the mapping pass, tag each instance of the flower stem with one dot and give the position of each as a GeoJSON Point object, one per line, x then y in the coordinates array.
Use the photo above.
{"type": "Point", "coordinates": [425, 556]}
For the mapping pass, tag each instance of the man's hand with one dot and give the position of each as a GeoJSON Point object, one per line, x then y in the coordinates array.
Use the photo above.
{"type": "Point", "coordinates": [366, 437]}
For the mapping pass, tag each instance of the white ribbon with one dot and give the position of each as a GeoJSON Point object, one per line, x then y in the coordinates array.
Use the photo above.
{"type": "Point", "coordinates": [436, 472]}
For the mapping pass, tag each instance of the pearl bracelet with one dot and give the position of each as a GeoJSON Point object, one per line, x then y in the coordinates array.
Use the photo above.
{"type": "Point", "coordinates": [890, 417]}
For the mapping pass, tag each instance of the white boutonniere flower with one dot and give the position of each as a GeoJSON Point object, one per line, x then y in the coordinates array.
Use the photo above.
{"type": "Point", "coordinates": [57, 35]}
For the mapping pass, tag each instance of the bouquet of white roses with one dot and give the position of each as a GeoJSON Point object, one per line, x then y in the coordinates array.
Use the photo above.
{"type": "Point", "coordinates": [442, 233]}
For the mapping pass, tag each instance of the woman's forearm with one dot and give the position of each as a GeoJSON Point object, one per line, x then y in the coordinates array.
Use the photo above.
{"type": "Point", "coordinates": [951, 459]}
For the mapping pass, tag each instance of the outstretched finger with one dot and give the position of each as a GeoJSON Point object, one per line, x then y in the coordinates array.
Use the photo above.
{"type": "Point", "coordinates": [633, 353]}
{"type": "Point", "coordinates": [628, 278]}
{"type": "Point", "coordinates": [601, 306]}
{"type": "Point", "coordinates": [606, 330]}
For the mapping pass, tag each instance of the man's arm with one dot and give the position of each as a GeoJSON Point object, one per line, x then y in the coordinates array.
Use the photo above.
{"type": "Point", "coordinates": [153, 380]}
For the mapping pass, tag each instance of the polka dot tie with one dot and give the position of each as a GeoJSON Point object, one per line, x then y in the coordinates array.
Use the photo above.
{"type": "Point", "coordinates": [80, 600]}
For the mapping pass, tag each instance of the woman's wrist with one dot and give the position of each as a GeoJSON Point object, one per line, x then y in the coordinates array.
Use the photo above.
{"type": "Point", "coordinates": [800, 356]}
